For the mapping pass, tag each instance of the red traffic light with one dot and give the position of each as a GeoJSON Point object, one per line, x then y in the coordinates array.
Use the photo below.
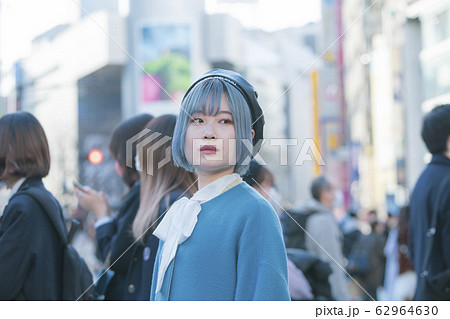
{"type": "Point", "coordinates": [95, 156]}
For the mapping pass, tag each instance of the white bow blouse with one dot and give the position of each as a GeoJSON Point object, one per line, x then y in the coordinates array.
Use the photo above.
{"type": "Point", "coordinates": [179, 222]}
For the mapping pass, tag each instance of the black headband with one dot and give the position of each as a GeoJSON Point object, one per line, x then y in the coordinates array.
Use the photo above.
{"type": "Point", "coordinates": [249, 94]}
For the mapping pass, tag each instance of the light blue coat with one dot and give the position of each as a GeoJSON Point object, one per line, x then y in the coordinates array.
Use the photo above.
{"type": "Point", "coordinates": [236, 252]}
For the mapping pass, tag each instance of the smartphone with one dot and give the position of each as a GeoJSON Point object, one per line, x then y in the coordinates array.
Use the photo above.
{"type": "Point", "coordinates": [78, 185]}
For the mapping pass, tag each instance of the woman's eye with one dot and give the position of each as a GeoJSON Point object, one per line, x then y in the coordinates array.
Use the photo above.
{"type": "Point", "coordinates": [225, 121]}
{"type": "Point", "coordinates": [196, 120]}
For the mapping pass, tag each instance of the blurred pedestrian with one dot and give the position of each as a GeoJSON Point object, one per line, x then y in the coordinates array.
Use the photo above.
{"type": "Point", "coordinates": [31, 251]}
{"type": "Point", "coordinates": [351, 232]}
{"type": "Point", "coordinates": [161, 186]}
{"type": "Point", "coordinates": [391, 251]}
{"type": "Point", "coordinates": [431, 196]}
{"type": "Point", "coordinates": [374, 244]}
{"type": "Point", "coordinates": [260, 178]}
{"type": "Point", "coordinates": [325, 236]}
{"type": "Point", "coordinates": [113, 234]}
{"type": "Point", "coordinates": [263, 181]}
{"type": "Point", "coordinates": [225, 243]}
{"type": "Point", "coordinates": [405, 282]}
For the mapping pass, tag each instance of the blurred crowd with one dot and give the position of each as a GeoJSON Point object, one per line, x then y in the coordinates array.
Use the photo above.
{"type": "Point", "coordinates": [360, 255]}
{"type": "Point", "coordinates": [355, 257]}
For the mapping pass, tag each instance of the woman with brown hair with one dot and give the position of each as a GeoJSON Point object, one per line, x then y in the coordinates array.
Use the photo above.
{"type": "Point", "coordinates": [113, 234]}
{"type": "Point", "coordinates": [31, 250]}
{"type": "Point", "coordinates": [162, 184]}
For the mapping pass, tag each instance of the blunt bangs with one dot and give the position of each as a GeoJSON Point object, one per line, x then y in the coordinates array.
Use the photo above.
{"type": "Point", "coordinates": [205, 98]}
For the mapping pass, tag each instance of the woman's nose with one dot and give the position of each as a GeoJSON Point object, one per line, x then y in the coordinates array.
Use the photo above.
{"type": "Point", "coordinates": [209, 132]}
{"type": "Point", "coordinates": [209, 135]}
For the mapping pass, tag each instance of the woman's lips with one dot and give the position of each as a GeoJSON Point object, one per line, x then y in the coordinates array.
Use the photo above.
{"type": "Point", "coordinates": [208, 149]}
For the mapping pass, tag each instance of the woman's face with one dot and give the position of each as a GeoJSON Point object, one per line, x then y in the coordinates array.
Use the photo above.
{"type": "Point", "coordinates": [210, 142]}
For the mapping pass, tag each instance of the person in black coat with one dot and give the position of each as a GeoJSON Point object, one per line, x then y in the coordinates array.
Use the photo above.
{"type": "Point", "coordinates": [30, 249]}
{"type": "Point", "coordinates": [436, 135]}
{"type": "Point", "coordinates": [161, 186]}
{"type": "Point", "coordinates": [113, 235]}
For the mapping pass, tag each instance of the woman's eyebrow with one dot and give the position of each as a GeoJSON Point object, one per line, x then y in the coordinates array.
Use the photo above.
{"type": "Point", "coordinates": [226, 112]}
{"type": "Point", "coordinates": [220, 112]}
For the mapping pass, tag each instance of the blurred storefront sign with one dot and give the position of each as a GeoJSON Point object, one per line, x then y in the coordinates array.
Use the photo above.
{"type": "Point", "coordinates": [163, 50]}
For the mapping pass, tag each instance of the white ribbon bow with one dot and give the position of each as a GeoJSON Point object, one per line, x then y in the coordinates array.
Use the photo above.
{"type": "Point", "coordinates": [179, 222]}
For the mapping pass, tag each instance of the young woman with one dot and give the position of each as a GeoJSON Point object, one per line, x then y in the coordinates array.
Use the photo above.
{"type": "Point", "coordinates": [30, 249]}
{"type": "Point", "coordinates": [113, 234]}
{"type": "Point", "coordinates": [225, 242]}
{"type": "Point", "coordinates": [161, 186]}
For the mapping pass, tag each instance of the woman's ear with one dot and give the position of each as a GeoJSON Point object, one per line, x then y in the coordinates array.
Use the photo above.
{"type": "Point", "coordinates": [253, 134]}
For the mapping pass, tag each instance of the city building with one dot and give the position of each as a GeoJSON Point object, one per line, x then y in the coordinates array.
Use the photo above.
{"type": "Point", "coordinates": [426, 76]}
{"type": "Point", "coordinates": [84, 76]}
{"type": "Point", "coordinates": [72, 83]}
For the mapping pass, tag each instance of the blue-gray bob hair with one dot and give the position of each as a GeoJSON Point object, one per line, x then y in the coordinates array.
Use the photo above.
{"type": "Point", "coordinates": [204, 96]}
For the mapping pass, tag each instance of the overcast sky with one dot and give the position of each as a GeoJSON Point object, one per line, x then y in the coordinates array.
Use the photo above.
{"type": "Point", "coordinates": [269, 15]}
{"type": "Point", "coordinates": [22, 20]}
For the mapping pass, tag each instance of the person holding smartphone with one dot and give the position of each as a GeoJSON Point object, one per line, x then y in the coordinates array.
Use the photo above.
{"type": "Point", "coordinates": [113, 235]}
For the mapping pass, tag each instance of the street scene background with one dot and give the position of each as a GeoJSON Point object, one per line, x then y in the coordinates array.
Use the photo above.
{"type": "Point", "coordinates": [354, 76]}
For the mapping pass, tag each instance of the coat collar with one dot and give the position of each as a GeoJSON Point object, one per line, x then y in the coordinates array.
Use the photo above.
{"type": "Point", "coordinates": [29, 182]}
{"type": "Point", "coordinates": [16, 187]}
{"type": "Point", "coordinates": [440, 159]}
{"type": "Point", "coordinates": [24, 184]}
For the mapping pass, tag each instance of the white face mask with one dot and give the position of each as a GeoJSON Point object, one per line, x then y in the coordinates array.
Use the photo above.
{"type": "Point", "coordinates": [338, 199]}
{"type": "Point", "coordinates": [137, 163]}
{"type": "Point", "coordinates": [274, 195]}
{"type": "Point", "coordinates": [275, 200]}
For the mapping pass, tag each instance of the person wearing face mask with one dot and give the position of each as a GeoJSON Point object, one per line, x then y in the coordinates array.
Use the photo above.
{"type": "Point", "coordinates": [325, 238]}
{"type": "Point", "coordinates": [262, 180]}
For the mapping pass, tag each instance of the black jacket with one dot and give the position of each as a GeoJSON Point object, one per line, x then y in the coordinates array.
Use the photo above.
{"type": "Point", "coordinates": [117, 237]}
{"type": "Point", "coordinates": [140, 271]}
{"type": "Point", "coordinates": [30, 250]}
{"type": "Point", "coordinates": [423, 201]}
